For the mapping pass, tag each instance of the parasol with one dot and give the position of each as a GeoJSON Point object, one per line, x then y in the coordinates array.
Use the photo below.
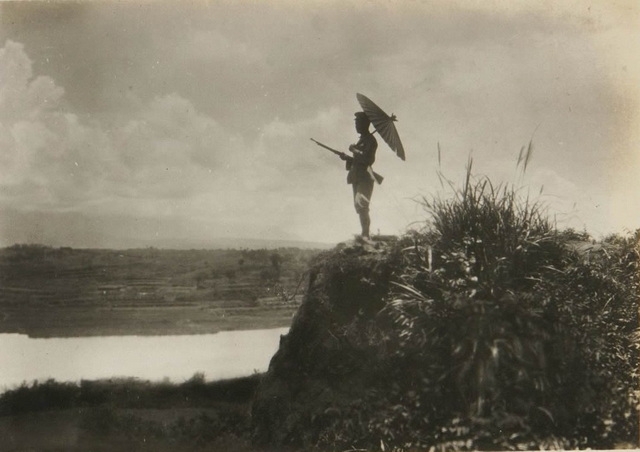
{"type": "Point", "coordinates": [383, 123]}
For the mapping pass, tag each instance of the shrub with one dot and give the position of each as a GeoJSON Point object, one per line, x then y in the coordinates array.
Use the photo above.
{"type": "Point", "coordinates": [488, 329]}
{"type": "Point", "coordinates": [127, 393]}
{"type": "Point", "coordinates": [516, 339]}
{"type": "Point", "coordinates": [38, 396]}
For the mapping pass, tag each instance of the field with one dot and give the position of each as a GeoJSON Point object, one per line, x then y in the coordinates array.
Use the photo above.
{"type": "Point", "coordinates": [128, 414]}
{"type": "Point", "coordinates": [63, 292]}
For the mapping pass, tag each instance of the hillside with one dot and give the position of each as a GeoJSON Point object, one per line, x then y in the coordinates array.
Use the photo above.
{"type": "Point", "coordinates": [488, 330]}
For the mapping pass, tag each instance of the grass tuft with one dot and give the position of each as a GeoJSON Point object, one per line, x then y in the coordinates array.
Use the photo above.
{"type": "Point", "coordinates": [518, 340]}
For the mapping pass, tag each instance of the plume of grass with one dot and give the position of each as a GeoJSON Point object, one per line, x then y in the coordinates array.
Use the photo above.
{"type": "Point", "coordinates": [495, 318]}
{"type": "Point", "coordinates": [502, 234]}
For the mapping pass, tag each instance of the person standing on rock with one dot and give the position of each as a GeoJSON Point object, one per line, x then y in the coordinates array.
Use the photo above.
{"type": "Point", "coordinates": [360, 174]}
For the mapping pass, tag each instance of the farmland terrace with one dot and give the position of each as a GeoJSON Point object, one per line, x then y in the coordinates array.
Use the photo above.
{"type": "Point", "coordinates": [63, 292]}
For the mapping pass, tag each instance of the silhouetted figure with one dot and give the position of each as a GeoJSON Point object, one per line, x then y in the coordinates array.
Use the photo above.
{"type": "Point", "coordinates": [360, 174]}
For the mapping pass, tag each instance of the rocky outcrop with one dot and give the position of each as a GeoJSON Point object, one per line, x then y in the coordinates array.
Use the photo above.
{"type": "Point", "coordinates": [425, 342]}
{"type": "Point", "coordinates": [330, 357]}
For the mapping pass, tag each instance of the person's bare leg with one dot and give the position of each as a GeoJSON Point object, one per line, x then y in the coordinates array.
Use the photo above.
{"type": "Point", "coordinates": [361, 195]}
{"type": "Point", "coordinates": [365, 223]}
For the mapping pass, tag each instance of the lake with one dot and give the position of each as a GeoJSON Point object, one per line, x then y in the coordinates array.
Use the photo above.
{"type": "Point", "coordinates": [222, 355]}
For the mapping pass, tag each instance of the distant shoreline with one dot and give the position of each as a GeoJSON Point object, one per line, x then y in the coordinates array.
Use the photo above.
{"type": "Point", "coordinates": [140, 321]}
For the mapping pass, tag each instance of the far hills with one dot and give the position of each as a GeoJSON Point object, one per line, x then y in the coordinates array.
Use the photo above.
{"type": "Point", "coordinates": [77, 230]}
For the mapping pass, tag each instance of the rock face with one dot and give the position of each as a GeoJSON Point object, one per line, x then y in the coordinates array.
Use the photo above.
{"type": "Point", "coordinates": [330, 357]}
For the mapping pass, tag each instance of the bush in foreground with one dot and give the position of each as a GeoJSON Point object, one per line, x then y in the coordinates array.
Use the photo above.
{"type": "Point", "coordinates": [492, 330]}
{"type": "Point", "coordinates": [127, 393]}
{"type": "Point", "coordinates": [517, 339]}
{"type": "Point", "coordinates": [130, 414]}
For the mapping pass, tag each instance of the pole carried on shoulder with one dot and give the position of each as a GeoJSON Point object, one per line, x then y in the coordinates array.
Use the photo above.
{"type": "Point", "coordinates": [347, 158]}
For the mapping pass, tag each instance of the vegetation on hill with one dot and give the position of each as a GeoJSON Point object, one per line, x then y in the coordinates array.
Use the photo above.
{"type": "Point", "coordinates": [489, 329]}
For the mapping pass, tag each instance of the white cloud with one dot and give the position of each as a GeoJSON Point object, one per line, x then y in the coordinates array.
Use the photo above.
{"type": "Point", "coordinates": [52, 159]}
{"type": "Point", "coordinates": [167, 160]}
{"type": "Point", "coordinates": [42, 146]}
{"type": "Point", "coordinates": [21, 96]}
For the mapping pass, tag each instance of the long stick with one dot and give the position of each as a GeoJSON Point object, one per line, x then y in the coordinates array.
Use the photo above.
{"type": "Point", "coordinates": [379, 178]}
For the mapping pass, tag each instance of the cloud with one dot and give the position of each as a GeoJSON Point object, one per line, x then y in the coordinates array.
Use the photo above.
{"type": "Point", "coordinates": [164, 160]}
{"type": "Point", "coordinates": [22, 97]}
{"type": "Point", "coordinates": [53, 159]}
{"type": "Point", "coordinates": [42, 146]}
{"type": "Point", "coordinates": [168, 148]}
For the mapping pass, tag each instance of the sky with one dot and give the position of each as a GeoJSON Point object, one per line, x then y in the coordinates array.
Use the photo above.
{"type": "Point", "coordinates": [126, 124]}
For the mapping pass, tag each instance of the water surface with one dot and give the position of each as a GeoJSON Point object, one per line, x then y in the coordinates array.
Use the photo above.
{"type": "Point", "coordinates": [223, 355]}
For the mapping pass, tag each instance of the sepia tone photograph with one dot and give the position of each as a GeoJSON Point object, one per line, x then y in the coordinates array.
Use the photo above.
{"type": "Point", "coordinates": [260, 226]}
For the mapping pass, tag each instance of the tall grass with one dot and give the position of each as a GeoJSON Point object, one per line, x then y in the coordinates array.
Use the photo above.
{"type": "Point", "coordinates": [486, 330]}
{"type": "Point", "coordinates": [490, 231]}
{"type": "Point", "coordinates": [512, 333]}
{"type": "Point", "coordinates": [495, 332]}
